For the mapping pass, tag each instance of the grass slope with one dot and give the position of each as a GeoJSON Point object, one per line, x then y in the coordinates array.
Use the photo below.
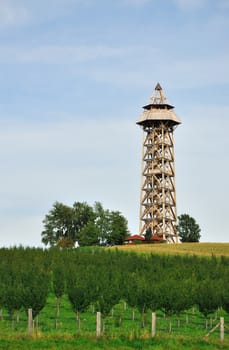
{"type": "Point", "coordinates": [202, 249]}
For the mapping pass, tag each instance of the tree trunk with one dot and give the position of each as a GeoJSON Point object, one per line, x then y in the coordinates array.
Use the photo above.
{"type": "Point", "coordinates": [12, 324]}
{"type": "Point", "coordinates": [178, 322]}
{"type": "Point", "coordinates": [78, 320]}
{"type": "Point", "coordinates": [206, 323]}
{"type": "Point", "coordinates": [1, 315]}
{"type": "Point", "coordinates": [170, 325]}
{"type": "Point", "coordinates": [58, 301]}
{"type": "Point", "coordinates": [133, 314]}
{"type": "Point", "coordinates": [124, 306]}
{"type": "Point", "coordinates": [186, 318]}
{"type": "Point", "coordinates": [143, 319]}
{"type": "Point", "coordinates": [37, 321]}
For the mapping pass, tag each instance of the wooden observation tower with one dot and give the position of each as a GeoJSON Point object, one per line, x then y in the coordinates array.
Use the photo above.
{"type": "Point", "coordinates": [158, 190]}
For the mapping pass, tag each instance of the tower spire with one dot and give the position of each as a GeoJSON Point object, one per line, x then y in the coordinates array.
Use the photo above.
{"type": "Point", "coordinates": [158, 96]}
{"type": "Point", "coordinates": [158, 191]}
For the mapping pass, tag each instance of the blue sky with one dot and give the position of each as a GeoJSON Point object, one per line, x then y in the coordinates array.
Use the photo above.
{"type": "Point", "coordinates": [74, 75]}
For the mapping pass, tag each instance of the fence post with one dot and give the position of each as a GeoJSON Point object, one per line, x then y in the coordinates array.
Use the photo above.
{"type": "Point", "coordinates": [221, 328]}
{"type": "Point", "coordinates": [98, 324]}
{"type": "Point", "coordinates": [153, 324]}
{"type": "Point", "coordinates": [30, 321]}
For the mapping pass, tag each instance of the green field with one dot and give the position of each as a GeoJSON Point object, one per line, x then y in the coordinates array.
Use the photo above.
{"type": "Point", "coordinates": [121, 332]}
{"type": "Point", "coordinates": [201, 249]}
{"type": "Point", "coordinates": [121, 329]}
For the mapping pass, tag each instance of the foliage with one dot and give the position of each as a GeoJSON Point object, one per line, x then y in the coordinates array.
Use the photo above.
{"type": "Point", "coordinates": [89, 235]}
{"type": "Point", "coordinates": [65, 242]}
{"type": "Point", "coordinates": [58, 225]}
{"type": "Point", "coordinates": [103, 277]}
{"type": "Point", "coordinates": [58, 282]}
{"type": "Point", "coordinates": [188, 229]}
{"type": "Point", "coordinates": [118, 228]}
{"type": "Point", "coordinates": [148, 234]}
{"type": "Point", "coordinates": [35, 289]}
{"type": "Point", "coordinates": [78, 290]}
{"type": "Point", "coordinates": [208, 297]}
{"type": "Point", "coordinates": [88, 225]}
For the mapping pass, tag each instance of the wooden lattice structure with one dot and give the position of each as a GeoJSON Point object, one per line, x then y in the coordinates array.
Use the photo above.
{"type": "Point", "coordinates": [158, 190]}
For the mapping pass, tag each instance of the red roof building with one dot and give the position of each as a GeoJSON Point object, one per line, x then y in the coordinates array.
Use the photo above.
{"type": "Point", "coordinates": [137, 238]}
{"type": "Point", "coordinates": [133, 238]}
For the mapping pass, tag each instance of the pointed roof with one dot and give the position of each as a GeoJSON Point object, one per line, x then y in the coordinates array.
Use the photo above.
{"type": "Point", "coordinates": [135, 238]}
{"type": "Point", "coordinates": [158, 109]}
{"type": "Point", "coordinates": [158, 87]}
{"type": "Point", "coordinates": [158, 99]}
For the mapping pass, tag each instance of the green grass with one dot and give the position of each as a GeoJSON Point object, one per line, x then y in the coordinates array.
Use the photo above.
{"type": "Point", "coordinates": [201, 249]}
{"type": "Point", "coordinates": [128, 335]}
{"type": "Point", "coordinates": [162, 343]}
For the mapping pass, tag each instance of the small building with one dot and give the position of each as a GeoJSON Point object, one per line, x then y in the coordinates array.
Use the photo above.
{"type": "Point", "coordinates": [134, 239]}
{"type": "Point", "coordinates": [157, 239]}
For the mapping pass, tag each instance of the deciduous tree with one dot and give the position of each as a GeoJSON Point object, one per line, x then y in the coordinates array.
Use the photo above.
{"type": "Point", "coordinates": [188, 229]}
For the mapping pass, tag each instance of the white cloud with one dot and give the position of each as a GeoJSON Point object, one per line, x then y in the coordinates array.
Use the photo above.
{"type": "Point", "coordinates": [24, 230]}
{"type": "Point", "coordinates": [61, 54]}
{"type": "Point", "coordinates": [87, 160]}
{"type": "Point", "coordinates": [136, 2]}
{"type": "Point", "coordinates": [12, 13]}
{"type": "Point", "coordinates": [68, 160]}
{"type": "Point", "coordinates": [190, 4]}
{"type": "Point", "coordinates": [223, 4]}
{"type": "Point", "coordinates": [186, 73]}
{"type": "Point", "coordinates": [200, 144]}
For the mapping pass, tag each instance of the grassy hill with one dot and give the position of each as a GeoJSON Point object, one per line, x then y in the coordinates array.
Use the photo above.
{"type": "Point", "coordinates": [203, 249]}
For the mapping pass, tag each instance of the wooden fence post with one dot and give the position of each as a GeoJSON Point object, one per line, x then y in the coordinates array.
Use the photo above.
{"type": "Point", "coordinates": [98, 324]}
{"type": "Point", "coordinates": [221, 328]}
{"type": "Point", "coordinates": [30, 321]}
{"type": "Point", "coordinates": [153, 324]}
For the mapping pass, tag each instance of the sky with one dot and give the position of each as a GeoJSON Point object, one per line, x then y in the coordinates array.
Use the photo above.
{"type": "Point", "coordinates": [74, 75]}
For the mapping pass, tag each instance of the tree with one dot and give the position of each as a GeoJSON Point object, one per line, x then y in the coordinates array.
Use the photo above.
{"type": "Point", "coordinates": [225, 296]}
{"type": "Point", "coordinates": [78, 290]}
{"type": "Point", "coordinates": [188, 229]}
{"type": "Point", "coordinates": [12, 293]}
{"type": "Point", "coordinates": [63, 223]}
{"type": "Point", "coordinates": [148, 234]}
{"type": "Point", "coordinates": [36, 282]}
{"type": "Point", "coordinates": [208, 297]}
{"type": "Point", "coordinates": [89, 235]}
{"type": "Point", "coordinates": [58, 284]}
{"type": "Point", "coordinates": [102, 221]}
{"type": "Point", "coordinates": [83, 213]}
{"type": "Point", "coordinates": [58, 225]}
{"type": "Point", "coordinates": [118, 229]}
{"type": "Point", "coordinates": [130, 291]}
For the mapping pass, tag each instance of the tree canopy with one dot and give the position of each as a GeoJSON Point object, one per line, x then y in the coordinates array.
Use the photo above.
{"type": "Point", "coordinates": [188, 229]}
{"type": "Point", "coordinates": [89, 225]}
